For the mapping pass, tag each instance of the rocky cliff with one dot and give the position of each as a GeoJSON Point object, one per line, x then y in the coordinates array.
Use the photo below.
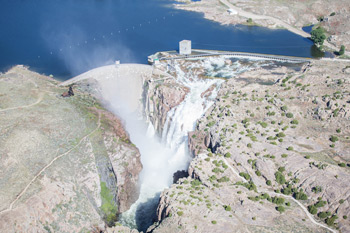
{"type": "Point", "coordinates": [272, 155]}
{"type": "Point", "coordinates": [160, 96]}
{"type": "Point", "coordinates": [67, 163]}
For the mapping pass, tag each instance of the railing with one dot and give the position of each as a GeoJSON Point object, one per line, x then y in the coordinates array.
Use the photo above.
{"type": "Point", "coordinates": [208, 53]}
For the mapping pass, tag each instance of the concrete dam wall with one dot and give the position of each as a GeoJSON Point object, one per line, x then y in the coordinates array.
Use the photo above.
{"type": "Point", "coordinates": [121, 82]}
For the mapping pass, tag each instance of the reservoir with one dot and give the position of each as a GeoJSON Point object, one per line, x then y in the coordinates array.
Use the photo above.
{"type": "Point", "coordinates": [65, 38]}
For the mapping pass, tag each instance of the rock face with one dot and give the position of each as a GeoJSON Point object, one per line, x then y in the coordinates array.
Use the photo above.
{"type": "Point", "coordinates": [160, 97]}
{"type": "Point", "coordinates": [67, 164]}
{"type": "Point", "coordinates": [271, 156]}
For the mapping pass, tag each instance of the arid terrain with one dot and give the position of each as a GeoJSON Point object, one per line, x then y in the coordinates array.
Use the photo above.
{"type": "Point", "coordinates": [67, 164]}
{"type": "Point", "coordinates": [334, 16]}
{"type": "Point", "coordinates": [271, 155]}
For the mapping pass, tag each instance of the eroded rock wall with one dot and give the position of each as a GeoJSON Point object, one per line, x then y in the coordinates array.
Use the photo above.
{"type": "Point", "coordinates": [160, 97]}
{"type": "Point", "coordinates": [268, 157]}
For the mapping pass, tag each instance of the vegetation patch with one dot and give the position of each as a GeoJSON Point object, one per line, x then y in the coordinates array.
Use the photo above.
{"type": "Point", "coordinates": [108, 207]}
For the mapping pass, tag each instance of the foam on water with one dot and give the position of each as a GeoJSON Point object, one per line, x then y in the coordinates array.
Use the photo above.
{"type": "Point", "coordinates": [162, 157]}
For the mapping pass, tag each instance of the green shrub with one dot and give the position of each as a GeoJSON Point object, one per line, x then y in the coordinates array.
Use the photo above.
{"type": "Point", "coordinates": [245, 175]}
{"type": "Point", "coordinates": [280, 178]}
{"type": "Point", "coordinates": [196, 182]}
{"type": "Point", "coordinates": [280, 135]}
{"type": "Point", "coordinates": [280, 209]}
{"type": "Point", "coordinates": [258, 173]}
{"type": "Point", "coordinates": [227, 155]}
{"type": "Point", "coordinates": [322, 215]}
{"type": "Point", "coordinates": [180, 213]}
{"type": "Point", "coordinates": [289, 115]}
{"type": "Point", "coordinates": [287, 191]}
{"type": "Point", "coordinates": [312, 209]}
{"type": "Point", "coordinates": [333, 138]}
{"type": "Point", "coordinates": [278, 200]}
{"type": "Point", "coordinates": [342, 50]}
{"type": "Point", "coordinates": [216, 170]}
{"type": "Point", "coordinates": [330, 221]}
{"type": "Point", "coordinates": [284, 155]}
{"type": "Point", "coordinates": [210, 124]}
{"type": "Point", "coordinates": [318, 35]}
{"type": "Point", "coordinates": [320, 203]}
{"type": "Point", "coordinates": [300, 196]}
{"type": "Point", "coordinates": [108, 206]}
{"type": "Point", "coordinates": [294, 122]}
{"type": "Point", "coordinates": [316, 189]}
{"type": "Point", "coordinates": [223, 179]}
{"type": "Point", "coordinates": [227, 208]}
{"type": "Point", "coordinates": [290, 148]}
{"type": "Point", "coordinates": [213, 222]}
{"type": "Point", "coordinates": [268, 182]}
{"type": "Point", "coordinates": [263, 124]}
{"type": "Point", "coordinates": [341, 164]}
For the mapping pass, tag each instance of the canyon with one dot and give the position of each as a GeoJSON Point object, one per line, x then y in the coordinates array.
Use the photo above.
{"type": "Point", "coordinates": [262, 146]}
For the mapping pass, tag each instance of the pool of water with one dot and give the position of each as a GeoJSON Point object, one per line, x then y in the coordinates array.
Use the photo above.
{"type": "Point", "coordinates": [68, 37]}
{"type": "Point", "coordinates": [308, 29]}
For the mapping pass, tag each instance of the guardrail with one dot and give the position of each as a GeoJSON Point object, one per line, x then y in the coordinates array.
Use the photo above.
{"type": "Point", "coordinates": [208, 53]}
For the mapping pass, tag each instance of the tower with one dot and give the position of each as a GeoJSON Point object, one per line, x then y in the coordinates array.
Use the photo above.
{"type": "Point", "coordinates": [185, 47]}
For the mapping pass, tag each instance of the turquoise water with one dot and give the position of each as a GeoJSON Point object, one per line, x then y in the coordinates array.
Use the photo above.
{"type": "Point", "coordinates": [68, 37]}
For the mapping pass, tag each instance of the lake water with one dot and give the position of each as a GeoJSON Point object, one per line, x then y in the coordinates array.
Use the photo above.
{"type": "Point", "coordinates": [68, 37]}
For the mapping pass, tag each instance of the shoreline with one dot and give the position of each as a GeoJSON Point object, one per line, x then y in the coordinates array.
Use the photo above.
{"type": "Point", "coordinates": [241, 16]}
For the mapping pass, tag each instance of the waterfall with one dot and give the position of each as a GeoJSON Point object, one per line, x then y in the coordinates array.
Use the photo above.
{"type": "Point", "coordinates": [162, 157]}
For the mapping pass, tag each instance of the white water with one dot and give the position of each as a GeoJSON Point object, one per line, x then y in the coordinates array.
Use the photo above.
{"type": "Point", "coordinates": [162, 157]}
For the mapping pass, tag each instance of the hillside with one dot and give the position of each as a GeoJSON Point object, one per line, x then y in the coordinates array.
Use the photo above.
{"type": "Point", "coordinates": [271, 155]}
{"type": "Point", "coordinates": [67, 164]}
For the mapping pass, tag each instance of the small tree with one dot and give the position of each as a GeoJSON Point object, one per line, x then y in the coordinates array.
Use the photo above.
{"type": "Point", "coordinates": [312, 209]}
{"type": "Point", "coordinates": [342, 50]}
{"type": "Point", "coordinates": [280, 209]}
{"type": "Point", "coordinates": [318, 36]}
{"type": "Point", "coordinates": [280, 178]}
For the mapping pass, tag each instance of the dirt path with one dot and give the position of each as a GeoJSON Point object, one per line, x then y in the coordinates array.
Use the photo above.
{"type": "Point", "coordinates": [285, 196]}
{"type": "Point", "coordinates": [48, 165]}
{"type": "Point", "coordinates": [40, 98]}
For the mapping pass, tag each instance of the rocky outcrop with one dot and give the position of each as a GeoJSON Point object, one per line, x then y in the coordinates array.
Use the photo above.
{"type": "Point", "coordinates": [67, 163]}
{"type": "Point", "coordinates": [125, 161]}
{"type": "Point", "coordinates": [265, 159]}
{"type": "Point", "coordinates": [160, 97]}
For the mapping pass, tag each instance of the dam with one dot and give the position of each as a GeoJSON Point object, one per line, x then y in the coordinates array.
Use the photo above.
{"type": "Point", "coordinates": [164, 150]}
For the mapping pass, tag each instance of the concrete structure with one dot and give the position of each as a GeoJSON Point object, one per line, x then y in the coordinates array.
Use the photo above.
{"type": "Point", "coordinates": [185, 47]}
{"type": "Point", "coordinates": [201, 53]}
{"type": "Point", "coordinates": [232, 11]}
